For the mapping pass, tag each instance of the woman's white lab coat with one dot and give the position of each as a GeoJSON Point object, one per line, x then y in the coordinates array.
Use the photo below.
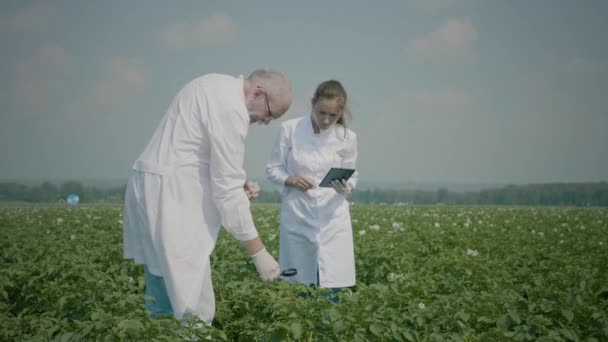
{"type": "Point", "coordinates": [316, 231]}
{"type": "Point", "coordinates": [187, 182]}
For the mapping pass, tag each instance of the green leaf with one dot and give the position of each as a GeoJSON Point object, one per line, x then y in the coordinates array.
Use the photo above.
{"type": "Point", "coordinates": [504, 323]}
{"type": "Point", "coordinates": [296, 329]}
{"type": "Point", "coordinates": [376, 330]}
{"type": "Point", "coordinates": [131, 325]}
{"type": "Point", "coordinates": [484, 319]}
{"type": "Point", "coordinates": [338, 326]}
{"type": "Point", "coordinates": [408, 336]}
{"type": "Point", "coordinates": [569, 334]}
{"type": "Point", "coordinates": [515, 317]}
{"type": "Point", "coordinates": [463, 316]}
{"type": "Point", "coordinates": [568, 314]}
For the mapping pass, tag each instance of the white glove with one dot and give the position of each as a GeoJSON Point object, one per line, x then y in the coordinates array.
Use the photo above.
{"type": "Point", "coordinates": [252, 189]}
{"type": "Point", "coordinates": [266, 266]}
{"type": "Point", "coordinates": [341, 186]}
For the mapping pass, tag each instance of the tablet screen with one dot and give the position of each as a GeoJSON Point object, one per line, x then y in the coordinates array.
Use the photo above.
{"type": "Point", "coordinates": [336, 173]}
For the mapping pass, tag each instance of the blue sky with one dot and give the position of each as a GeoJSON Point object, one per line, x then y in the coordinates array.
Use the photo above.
{"type": "Point", "coordinates": [440, 90]}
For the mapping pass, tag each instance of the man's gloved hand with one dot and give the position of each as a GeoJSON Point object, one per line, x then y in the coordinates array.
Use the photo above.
{"type": "Point", "coordinates": [266, 266]}
{"type": "Point", "coordinates": [341, 186]}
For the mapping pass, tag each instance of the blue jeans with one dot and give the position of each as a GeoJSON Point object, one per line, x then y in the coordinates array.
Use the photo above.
{"type": "Point", "coordinates": [155, 287]}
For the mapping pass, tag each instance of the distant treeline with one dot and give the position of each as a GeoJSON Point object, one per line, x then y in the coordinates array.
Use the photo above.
{"type": "Point", "coordinates": [570, 194]}
{"type": "Point", "coordinates": [48, 192]}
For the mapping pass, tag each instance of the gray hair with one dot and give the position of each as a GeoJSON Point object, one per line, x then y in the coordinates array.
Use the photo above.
{"type": "Point", "coordinates": [275, 82]}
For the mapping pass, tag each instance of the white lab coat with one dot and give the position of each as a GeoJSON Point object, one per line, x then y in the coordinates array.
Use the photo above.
{"type": "Point", "coordinates": [316, 231]}
{"type": "Point", "coordinates": [187, 182]}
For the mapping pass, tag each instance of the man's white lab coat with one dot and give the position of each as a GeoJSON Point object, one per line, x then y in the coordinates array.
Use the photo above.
{"type": "Point", "coordinates": [316, 231]}
{"type": "Point", "coordinates": [186, 183]}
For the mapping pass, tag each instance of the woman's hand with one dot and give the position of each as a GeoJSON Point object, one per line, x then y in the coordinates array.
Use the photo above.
{"type": "Point", "coordinates": [341, 186]}
{"type": "Point", "coordinates": [301, 183]}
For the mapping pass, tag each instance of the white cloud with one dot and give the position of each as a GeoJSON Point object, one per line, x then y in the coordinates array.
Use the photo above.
{"type": "Point", "coordinates": [437, 4]}
{"type": "Point", "coordinates": [427, 103]}
{"type": "Point", "coordinates": [448, 99]}
{"type": "Point", "coordinates": [53, 56]}
{"type": "Point", "coordinates": [412, 111]}
{"type": "Point", "coordinates": [454, 40]}
{"type": "Point", "coordinates": [582, 65]}
{"type": "Point", "coordinates": [429, 134]}
{"type": "Point", "coordinates": [214, 30]}
{"type": "Point", "coordinates": [29, 88]}
{"type": "Point", "coordinates": [37, 78]}
{"type": "Point", "coordinates": [122, 78]}
{"type": "Point", "coordinates": [37, 17]}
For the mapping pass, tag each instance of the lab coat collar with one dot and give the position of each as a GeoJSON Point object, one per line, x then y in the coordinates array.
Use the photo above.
{"type": "Point", "coordinates": [324, 133]}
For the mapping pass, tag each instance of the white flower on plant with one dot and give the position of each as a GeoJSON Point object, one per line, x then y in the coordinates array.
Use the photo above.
{"type": "Point", "coordinates": [472, 252]}
{"type": "Point", "coordinates": [119, 221]}
{"type": "Point", "coordinates": [396, 277]}
{"type": "Point", "coordinates": [421, 306]}
{"type": "Point", "coordinates": [131, 280]}
{"type": "Point", "coordinates": [73, 236]}
{"type": "Point", "coordinates": [437, 225]}
{"type": "Point", "coordinates": [561, 241]}
{"type": "Point", "coordinates": [48, 231]}
{"type": "Point", "coordinates": [601, 243]}
{"type": "Point", "coordinates": [272, 237]}
{"type": "Point", "coordinates": [60, 220]}
{"type": "Point", "coordinates": [362, 232]}
{"type": "Point", "coordinates": [374, 227]}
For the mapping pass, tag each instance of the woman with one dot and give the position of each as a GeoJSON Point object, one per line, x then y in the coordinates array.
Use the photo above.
{"type": "Point", "coordinates": [316, 232]}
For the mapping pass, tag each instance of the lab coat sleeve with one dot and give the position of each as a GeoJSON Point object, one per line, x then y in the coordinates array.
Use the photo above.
{"type": "Point", "coordinates": [350, 158]}
{"type": "Point", "coordinates": [276, 168]}
{"type": "Point", "coordinates": [228, 176]}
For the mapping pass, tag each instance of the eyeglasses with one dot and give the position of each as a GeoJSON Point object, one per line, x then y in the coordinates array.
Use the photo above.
{"type": "Point", "coordinates": [268, 105]}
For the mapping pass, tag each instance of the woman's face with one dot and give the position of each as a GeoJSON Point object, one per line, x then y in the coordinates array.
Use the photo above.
{"type": "Point", "coordinates": [326, 112]}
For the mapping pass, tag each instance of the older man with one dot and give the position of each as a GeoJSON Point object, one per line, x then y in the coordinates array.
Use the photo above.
{"type": "Point", "coordinates": [189, 180]}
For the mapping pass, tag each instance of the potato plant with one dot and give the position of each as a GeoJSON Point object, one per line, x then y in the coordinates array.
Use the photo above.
{"type": "Point", "coordinates": [426, 273]}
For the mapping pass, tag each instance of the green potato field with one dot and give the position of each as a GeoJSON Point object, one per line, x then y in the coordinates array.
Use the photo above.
{"type": "Point", "coordinates": [424, 273]}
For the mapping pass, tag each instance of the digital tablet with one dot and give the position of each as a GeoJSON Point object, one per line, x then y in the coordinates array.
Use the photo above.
{"type": "Point", "coordinates": [336, 173]}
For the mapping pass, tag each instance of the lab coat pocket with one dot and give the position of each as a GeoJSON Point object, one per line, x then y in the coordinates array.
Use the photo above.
{"type": "Point", "coordinates": [180, 233]}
